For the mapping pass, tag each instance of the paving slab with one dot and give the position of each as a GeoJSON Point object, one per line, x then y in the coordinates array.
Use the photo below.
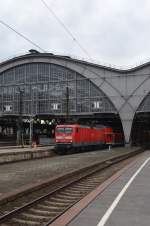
{"type": "Point", "coordinates": [132, 209]}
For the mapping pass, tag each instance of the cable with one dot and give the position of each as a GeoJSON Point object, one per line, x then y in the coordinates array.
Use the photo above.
{"type": "Point", "coordinates": [66, 29]}
{"type": "Point", "coordinates": [21, 35]}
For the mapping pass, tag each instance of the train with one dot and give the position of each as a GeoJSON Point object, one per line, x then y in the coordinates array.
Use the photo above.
{"type": "Point", "coordinates": [75, 137]}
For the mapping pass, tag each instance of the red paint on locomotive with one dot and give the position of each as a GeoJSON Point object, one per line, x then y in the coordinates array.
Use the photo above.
{"type": "Point", "coordinates": [82, 137]}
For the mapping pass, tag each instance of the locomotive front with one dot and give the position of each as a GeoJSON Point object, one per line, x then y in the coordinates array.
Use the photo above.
{"type": "Point", "coordinates": [63, 137]}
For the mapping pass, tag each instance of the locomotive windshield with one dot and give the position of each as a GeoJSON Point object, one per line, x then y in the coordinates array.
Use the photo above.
{"type": "Point", "coordinates": [66, 130]}
{"type": "Point", "coordinates": [60, 130]}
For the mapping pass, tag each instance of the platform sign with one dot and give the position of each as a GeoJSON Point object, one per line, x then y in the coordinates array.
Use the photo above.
{"type": "Point", "coordinates": [7, 108]}
{"type": "Point", "coordinates": [109, 138]}
{"type": "Point", "coordinates": [97, 104]}
{"type": "Point", "coordinates": [55, 106]}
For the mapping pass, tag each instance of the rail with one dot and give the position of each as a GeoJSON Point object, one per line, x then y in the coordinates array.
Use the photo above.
{"type": "Point", "coordinates": [47, 208]}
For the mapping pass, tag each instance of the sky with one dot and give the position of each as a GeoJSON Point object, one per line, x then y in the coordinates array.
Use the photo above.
{"type": "Point", "coordinates": [115, 32]}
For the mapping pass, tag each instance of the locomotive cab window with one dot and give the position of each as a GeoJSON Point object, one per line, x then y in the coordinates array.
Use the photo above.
{"type": "Point", "coordinates": [60, 130]}
{"type": "Point", "coordinates": [68, 130]}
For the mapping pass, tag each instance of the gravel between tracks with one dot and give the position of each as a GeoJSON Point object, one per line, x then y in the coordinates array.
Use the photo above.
{"type": "Point", "coordinates": [16, 175]}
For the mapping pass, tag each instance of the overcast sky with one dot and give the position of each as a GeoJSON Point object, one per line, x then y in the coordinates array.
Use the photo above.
{"type": "Point", "coordinates": [111, 31]}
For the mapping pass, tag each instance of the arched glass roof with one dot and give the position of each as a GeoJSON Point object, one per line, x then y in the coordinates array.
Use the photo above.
{"type": "Point", "coordinates": [49, 89]}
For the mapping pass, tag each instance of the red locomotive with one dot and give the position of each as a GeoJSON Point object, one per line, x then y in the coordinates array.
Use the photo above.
{"type": "Point", "coordinates": [79, 137]}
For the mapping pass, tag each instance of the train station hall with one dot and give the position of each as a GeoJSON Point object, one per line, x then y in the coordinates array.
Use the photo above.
{"type": "Point", "coordinates": [49, 89]}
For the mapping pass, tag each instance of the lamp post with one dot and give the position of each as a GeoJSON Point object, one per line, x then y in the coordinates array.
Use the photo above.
{"type": "Point", "coordinates": [32, 115]}
{"type": "Point", "coordinates": [67, 104]}
{"type": "Point", "coordinates": [20, 129]}
{"type": "Point", "coordinates": [31, 130]}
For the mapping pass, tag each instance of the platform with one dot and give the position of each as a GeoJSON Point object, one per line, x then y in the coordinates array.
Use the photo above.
{"type": "Point", "coordinates": [15, 154]}
{"type": "Point", "coordinates": [122, 201]}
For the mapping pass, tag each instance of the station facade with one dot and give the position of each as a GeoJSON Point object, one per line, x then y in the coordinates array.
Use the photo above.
{"type": "Point", "coordinates": [44, 84]}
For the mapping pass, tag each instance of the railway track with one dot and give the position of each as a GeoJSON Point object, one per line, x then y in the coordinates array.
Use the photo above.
{"type": "Point", "coordinates": [45, 209]}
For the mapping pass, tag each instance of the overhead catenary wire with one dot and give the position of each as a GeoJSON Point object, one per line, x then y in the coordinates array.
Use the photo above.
{"type": "Point", "coordinates": [21, 35]}
{"type": "Point", "coordinates": [27, 39]}
{"type": "Point", "coordinates": [66, 29]}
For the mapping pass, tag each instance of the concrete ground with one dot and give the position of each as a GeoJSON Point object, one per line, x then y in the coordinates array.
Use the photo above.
{"type": "Point", "coordinates": [132, 209]}
{"type": "Point", "coordinates": [19, 174]}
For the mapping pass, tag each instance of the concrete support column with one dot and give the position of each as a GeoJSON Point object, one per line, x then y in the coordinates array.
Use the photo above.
{"type": "Point", "coordinates": [127, 120]}
{"type": "Point", "coordinates": [127, 125]}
